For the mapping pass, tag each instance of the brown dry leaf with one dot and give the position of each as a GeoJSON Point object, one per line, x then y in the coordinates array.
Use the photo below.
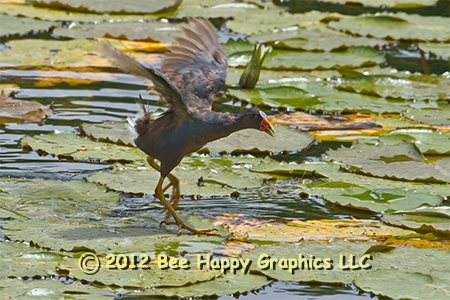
{"type": "Point", "coordinates": [19, 111]}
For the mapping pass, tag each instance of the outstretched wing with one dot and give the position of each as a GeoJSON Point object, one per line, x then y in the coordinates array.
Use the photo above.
{"type": "Point", "coordinates": [197, 64]}
{"type": "Point", "coordinates": [167, 90]}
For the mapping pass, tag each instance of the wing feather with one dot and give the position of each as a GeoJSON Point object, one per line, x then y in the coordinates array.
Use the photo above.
{"type": "Point", "coordinates": [197, 64]}
{"type": "Point", "coordinates": [167, 90]}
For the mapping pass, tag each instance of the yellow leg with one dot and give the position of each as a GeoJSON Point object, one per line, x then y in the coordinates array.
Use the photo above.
{"type": "Point", "coordinates": [174, 182]}
{"type": "Point", "coordinates": [159, 193]}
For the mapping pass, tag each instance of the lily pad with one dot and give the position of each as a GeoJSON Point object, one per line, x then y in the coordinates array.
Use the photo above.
{"type": "Point", "coordinates": [435, 219]}
{"type": "Point", "coordinates": [19, 111]}
{"type": "Point", "coordinates": [136, 31]}
{"type": "Point", "coordinates": [401, 162]}
{"type": "Point", "coordinates": [20, 260]}
{"type": "Point", "coordinates": [326, 255]}
{"type": "Point", "coordinates": [132, 6]}
{"type": "Point", "coordinates": [103, 240]}
{"type": "Point", "coordinates": [405, 285]}
{"type": "Point", "coordinates": [202, 175]}
{"type": "Point", "coordinates": [313, 38]}
{"type": "Point", "coordinates": [223, 286]}
{"type": "Point", "coordinates": [439, 49]}
{"type": "Point", "coordinates": [44, 13]}
{"type": "Point", "coordinates": [380, 200]}
{"type": "Point", "coordinates": [398, 26]}
{"type": "Point", "coordinates": [149, 276]}
{"type": "Point", "coordinates": [50, 199]}
{"type": "Point", "coordinates": [325, 230]}
{"type": "Point", "coordinates": [428, 141]}
{"type": "Point", "coordinates": [440, 117]}
{"type": "Point", "coordinates": [112, 132]}
{"type": "Point", "coordinates": [18, 26]}
{"type": "Point", "coordinates": [415, 87]}
{"type": "Point", "coordinates": [68, 145]}
{"type": "Point", "coordinates": [50, 289]}
{"type": "Point", "coordinates": [280, 59]}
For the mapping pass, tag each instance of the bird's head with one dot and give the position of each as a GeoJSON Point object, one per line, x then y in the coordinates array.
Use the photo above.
{"type": "Point", "coordinates": [259, 121]}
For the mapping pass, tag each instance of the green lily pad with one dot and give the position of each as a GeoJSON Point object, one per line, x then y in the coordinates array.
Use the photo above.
{"type": "Point", "coordinates": [405, 285]}
{"type": "Point", "coordinates": [148, 276]}
{"type": "Point", "coordinates": [380, 200]}
{"type": "Point", "coordinates": [148, 31]}
{"type": "Point", "coordinates": [49, 199]}
{"type": "Point", "coordinates": [313, 38]}
{"type": "Point", "coordinates": [18, 26]}
{"type": "Point", "coordinates": [68, 145]}
{"type": "Point", "coordinates": [435, 219]}
{"type": "Point", "coordinates": [103, 240]}
{"type": "Point", "coordinates": [50, 289]}
{"type": "Point", "coordinates": [202, 175]}
{"type": "Point", "coordinates": [326, 255]}
{"type": "Point", "coordinates": [280, 59]}
{"type": "Point", "coordinates": [132, 6]}
{"type": "Point", "coordinates": [111, 132]}
{"type": "Point", "coordinates": [400, 162]}
{"type": "Point", "coordinates": [415, 87]}
{"type": "Point", "coordinates": [222, 286]}
{"type": "Point", "coordinates": [396, 26]}
{"type": "Point", "coordinates": [440, 49]}
{"type": "Point", "coordinates": [332, 176]}
{"type": "Point", "coordinates": [430, 116]}
{"type": "Point", "coordinates": [20, 260]}
{"type": "Point", "coordinates": [43, 13]}
{"type": "Point", "coordinates": [428, 141]}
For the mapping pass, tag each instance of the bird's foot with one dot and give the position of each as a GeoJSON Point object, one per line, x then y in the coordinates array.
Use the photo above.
{"type": "Point", "coordinates": [182, 225]}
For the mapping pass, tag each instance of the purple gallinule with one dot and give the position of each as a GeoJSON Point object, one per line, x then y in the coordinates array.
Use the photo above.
{"type": "Point", "coordinates": [192, 73]}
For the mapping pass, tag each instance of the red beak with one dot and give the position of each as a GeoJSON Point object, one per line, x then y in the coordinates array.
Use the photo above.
{"type": "Point", "coordinates": [266, 127]}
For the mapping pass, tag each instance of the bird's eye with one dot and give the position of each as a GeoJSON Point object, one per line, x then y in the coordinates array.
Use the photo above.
{"type": "Point", "coordinates": [256, 117]}
{"type": "Point", "coordinates": [262, 114]}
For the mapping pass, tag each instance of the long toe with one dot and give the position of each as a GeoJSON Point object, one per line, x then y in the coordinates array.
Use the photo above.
{"type": "Point", "coordinates": [181, 225]}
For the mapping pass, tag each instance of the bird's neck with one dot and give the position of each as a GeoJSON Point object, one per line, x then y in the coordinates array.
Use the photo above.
{"type": "Point", "coordinates": [220, 125]}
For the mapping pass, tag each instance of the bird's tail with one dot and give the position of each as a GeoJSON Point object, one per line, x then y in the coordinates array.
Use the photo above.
{"type": "Point", "coordinates": [138, 125]}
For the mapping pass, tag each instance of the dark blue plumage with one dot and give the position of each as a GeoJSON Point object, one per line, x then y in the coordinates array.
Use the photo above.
{"type": "Point", "coordinates": [194, 71]}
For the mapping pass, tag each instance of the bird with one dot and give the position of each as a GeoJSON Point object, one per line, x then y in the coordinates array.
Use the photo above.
{"type": "Point", "coordinates": [192, 72]}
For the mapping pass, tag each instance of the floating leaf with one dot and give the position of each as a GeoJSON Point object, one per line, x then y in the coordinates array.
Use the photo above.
{"type": "Point", "coordinates": [415, 87]}
{"type": "Point", "coordinates": [223, 286]}
{"type": "Point", "coordinates": [112, 132]}
{"type": "Point", "coordinates": [324, 230]}
{"type": "Point", "coordinates": [147, 31]}
{"type": "Point", "coordinates": [279, 59]}
{"type": "Point", "coordinates": [439, 49]}
{"type": "Point", "coordinates": [149, 276]}
{"type": "Point", "coordinates": [313, 38]}
{"type": "Point", "coordinates": [430, 116]}
{"type": "Point", "coordinates": [60, 54]}
{"type": "Point", "coordinates": [401, 162]}
{"type": "Point", "coordinates": [202, 175]}
{"type": "Point", "coordinates": [379, 200]}
{"type": "Point", "coordinates": [19, 26]}
{"type": "Point", "coordinates": [19, 111]}
{"type": "Point", "coordinates": [326, 255]}
{"type": "Point", "coordinates": [428, 141]}
{"type": "Point", "coordinates": [131, 6]}
{"type": "Point", "coordinates": [435, 219]}
{"type": "Point", "coordinates": [405, 285]}
{"type": "Point", "coordinates": [70, 146]}
{"type": "Point", "coordinates": [396, 26]}
{"type": "Point", "coordinates": [44, 199]}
